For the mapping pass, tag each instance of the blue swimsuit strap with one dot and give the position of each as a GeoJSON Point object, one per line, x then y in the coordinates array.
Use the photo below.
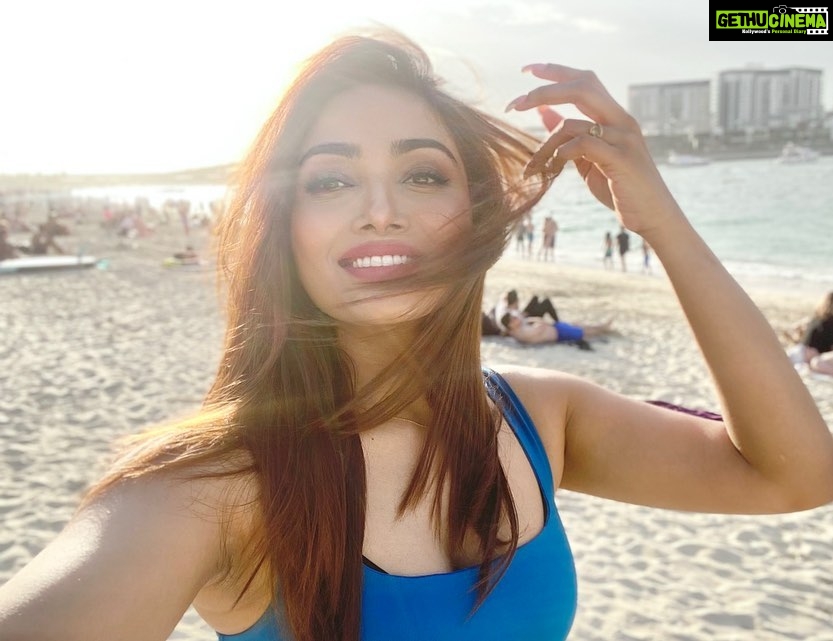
{"type": "Point", "coordinates": [521, 423]}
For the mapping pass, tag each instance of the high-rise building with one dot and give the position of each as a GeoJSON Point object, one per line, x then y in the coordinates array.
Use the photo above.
{"type": "Point", "coordinates": [671, 108]}
{"type": "Point", "coordinates": [752, 100]}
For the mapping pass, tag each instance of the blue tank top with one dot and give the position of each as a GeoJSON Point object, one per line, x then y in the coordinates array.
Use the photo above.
{"type": "Point", "coordinates": [535, 599]}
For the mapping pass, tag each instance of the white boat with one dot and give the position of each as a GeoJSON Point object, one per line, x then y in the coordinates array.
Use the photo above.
{"type": "Point", "coordinates": [686, 160]}
{"type": "Point", "coordinates": [792, 153]}
{"type": "Point", "coordinates": [45, 263]}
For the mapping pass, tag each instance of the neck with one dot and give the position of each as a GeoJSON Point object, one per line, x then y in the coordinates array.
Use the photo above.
{"type": "Point", "coordinates": [371, 348]}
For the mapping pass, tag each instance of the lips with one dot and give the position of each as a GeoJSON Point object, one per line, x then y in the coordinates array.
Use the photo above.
{"type": "Point", "coordinates": [373, 262]}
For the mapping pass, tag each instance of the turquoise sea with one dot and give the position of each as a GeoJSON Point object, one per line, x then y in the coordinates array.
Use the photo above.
{"type": "Point", "coordinates": [765, 220]}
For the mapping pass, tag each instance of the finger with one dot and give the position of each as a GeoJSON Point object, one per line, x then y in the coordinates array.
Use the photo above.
{"type": "Point", "coordinates": [559, 73]}
{"type": "Point", "coordinates": [575, 83]}
{"type": "Point", "coordinates": [550, 169]}
{"type": "Point", "coordinates": [567, 130]}
{"type": "Point", "coordinates": [597, 151]}
{"type": "Point", "coordinates": [589, 96]}
{"type": "Point", "coordinates": [584, 168]}
{"type": "Point", "coordinates": [552, 71]}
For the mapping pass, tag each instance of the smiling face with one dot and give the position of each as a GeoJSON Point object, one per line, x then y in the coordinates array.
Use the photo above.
{"type": "Point", "coordinates": [380, 186]}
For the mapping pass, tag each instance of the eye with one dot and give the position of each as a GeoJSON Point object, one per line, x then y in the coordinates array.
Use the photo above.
{"type": "Point", "coordinates": [325, 184]}
{"type": "Point", "coordinates": [426, 178]}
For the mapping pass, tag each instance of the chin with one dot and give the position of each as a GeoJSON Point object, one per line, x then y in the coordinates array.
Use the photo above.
{"type": "Point", "coordinates": [387, 310]}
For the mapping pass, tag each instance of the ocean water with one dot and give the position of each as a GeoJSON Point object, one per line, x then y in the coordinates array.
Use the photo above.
{"type": "Point", "coordinates": [765, 220]}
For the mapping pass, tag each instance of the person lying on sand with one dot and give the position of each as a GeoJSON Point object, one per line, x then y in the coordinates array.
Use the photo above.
{"type": "Point", "coordinates": [534, 329]}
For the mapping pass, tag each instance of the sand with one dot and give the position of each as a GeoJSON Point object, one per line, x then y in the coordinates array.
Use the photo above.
{"type": "Point", "coordinates": [90, 355]}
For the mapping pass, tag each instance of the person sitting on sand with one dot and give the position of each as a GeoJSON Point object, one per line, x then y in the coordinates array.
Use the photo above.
{"type": "Point", "coordinates": [7, 250]}
{"type": "Point", "coordinates": [817, 339]}
{"type": "Point", "coordinates": [53, 227]}
{"type": "Point", "coordinates": [534, 329]}
{"type": "Point", "coordinates": [490, 321]}
{"type": "Point", "coordinates": [43, 241]}
{"type": "Point", "coordinates": [535, 306]}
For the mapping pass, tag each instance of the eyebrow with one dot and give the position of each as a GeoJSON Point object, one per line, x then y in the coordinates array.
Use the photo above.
{"type": "Point", "coordinates": [333, 148]}
{"type": "Point", "coordinates": [398, 147]}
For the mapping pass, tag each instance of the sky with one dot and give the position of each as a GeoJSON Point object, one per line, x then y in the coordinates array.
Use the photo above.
{"type": "Point", "coordinates": [103, 86]}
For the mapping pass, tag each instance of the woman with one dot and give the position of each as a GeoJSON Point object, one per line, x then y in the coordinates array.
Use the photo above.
{"type": "Point", "coordinates": [355, 474]}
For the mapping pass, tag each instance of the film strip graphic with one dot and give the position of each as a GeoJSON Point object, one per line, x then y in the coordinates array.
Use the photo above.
{"type": "Point", "coordinates": [814, 32]}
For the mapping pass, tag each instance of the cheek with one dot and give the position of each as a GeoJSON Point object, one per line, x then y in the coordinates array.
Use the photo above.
{"type": "Point", "coordinates": [308, 251]}
{"type": "Point", "coordinates": [453, 218]}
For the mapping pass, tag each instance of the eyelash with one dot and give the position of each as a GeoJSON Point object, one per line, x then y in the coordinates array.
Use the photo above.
{"type": "Point", "coordinates": [325, 184]}
{"type": "Point", "coordinates": [329, 184]}
{"type": "Point", "coordinates": [434, 178]}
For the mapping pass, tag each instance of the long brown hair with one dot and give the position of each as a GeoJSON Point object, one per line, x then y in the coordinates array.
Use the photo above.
{"type": "Point", "coordinates": [284, 394]}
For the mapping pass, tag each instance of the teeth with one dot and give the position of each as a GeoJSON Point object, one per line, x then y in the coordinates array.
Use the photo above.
{"type": "Point", "coordinates": [380, 261]}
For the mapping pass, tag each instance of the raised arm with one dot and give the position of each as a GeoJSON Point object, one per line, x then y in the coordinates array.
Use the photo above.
{"type": "Point", "coordinates": [127, 567]}
{"type": "Point", "coordinates": [774, 451]}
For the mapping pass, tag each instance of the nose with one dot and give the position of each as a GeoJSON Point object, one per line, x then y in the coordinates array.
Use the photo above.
{"type": "Point", "coordinates": [381, 212]}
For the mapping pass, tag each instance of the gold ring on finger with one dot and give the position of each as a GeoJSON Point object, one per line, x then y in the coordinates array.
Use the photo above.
{"type": "Point", "coordinates": [596, 130]}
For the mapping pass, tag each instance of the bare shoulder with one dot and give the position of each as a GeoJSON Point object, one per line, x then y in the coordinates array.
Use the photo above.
{"type": "Point", "coordinates": [546, 396]}
{"type": "Point", "coordinates": [137, 554]}
{"type": "Point", "coordinates": [202, 498]}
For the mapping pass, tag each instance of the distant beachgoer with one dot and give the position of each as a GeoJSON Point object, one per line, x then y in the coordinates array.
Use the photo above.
{"type": "Point", "coordinates": [55, 228]}
{"type": "Point", "coordinates": [489, 325]}
{"type": "Point", "coordinates": [43, 241]}
{"type": "Point", "coordinates": [520, 238]}
{"type": "Point", "coordinates": [535, 330]}
{"type": "Point", "coordinates": [530, 236]}
{"type": "Point", "coordinates": [184, 209]}
{"type": "Point", "coordinates": [548, 243]}
{"type": "Point", "coordinates": [646, 258]}
{"type": "Point", "coordinates": [817, 340]}
{"type": "Point", "coordinates": [535, 307]}
{"type": "Point", "coordinates": [607, 259]}
{"type": "Point", "coordinates": [7, 250]}
{"type": "Point", "coordinates": [623, 240]}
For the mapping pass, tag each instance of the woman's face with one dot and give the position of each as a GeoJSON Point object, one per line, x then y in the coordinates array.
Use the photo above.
{"type": "Point", "coordinates": [380, 184]}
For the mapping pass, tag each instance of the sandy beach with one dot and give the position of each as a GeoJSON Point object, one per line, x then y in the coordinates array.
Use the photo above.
{"type": "Point", "coordinates": [90, 355]}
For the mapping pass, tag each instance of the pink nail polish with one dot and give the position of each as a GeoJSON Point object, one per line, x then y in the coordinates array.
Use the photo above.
{"type": "Point", "coordinates": [517, 101]}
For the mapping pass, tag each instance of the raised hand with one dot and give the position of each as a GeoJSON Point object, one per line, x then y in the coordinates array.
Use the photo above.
{"type": "Point", "coordinates": [609, 150]}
